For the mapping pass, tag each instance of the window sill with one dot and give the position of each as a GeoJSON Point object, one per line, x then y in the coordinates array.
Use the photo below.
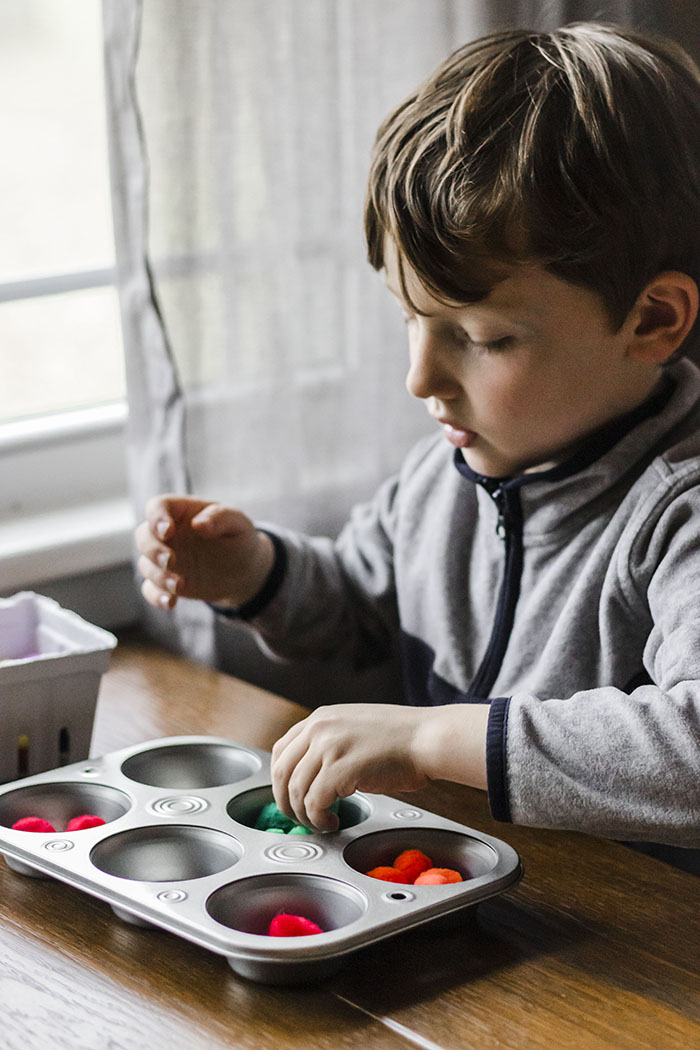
{"type": "Point", "coordinates": [65, 542]}
{"type": "Point", "coordinates": [64, 509]}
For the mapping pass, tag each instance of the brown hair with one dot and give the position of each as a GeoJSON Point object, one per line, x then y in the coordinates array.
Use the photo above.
{"type": "Point", "coordinates": [578, 148]}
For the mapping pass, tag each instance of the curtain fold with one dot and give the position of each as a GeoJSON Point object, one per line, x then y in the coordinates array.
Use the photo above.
{"type": "Point", "coordinates": [265, 360]}
{"type": "Point", "coordinates": [156, 456]}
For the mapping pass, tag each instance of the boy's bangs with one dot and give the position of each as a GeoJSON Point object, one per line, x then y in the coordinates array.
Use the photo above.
{"type": "Point", "coordinates": [456, 261]}
{"type": "Point", "coordinates": [576, 149]}
{"type": "Point", "coordinates": [444, 200]}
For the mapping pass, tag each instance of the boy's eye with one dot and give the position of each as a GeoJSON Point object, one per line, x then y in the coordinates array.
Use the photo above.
{"type": "Point", "coordinates": [497, 344]}
{"type": "Point", "coordinates": [491, 344]}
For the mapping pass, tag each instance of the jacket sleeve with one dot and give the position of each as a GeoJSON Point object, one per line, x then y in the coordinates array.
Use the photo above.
{"type": "Point", "coordinates": [604, 761]}
{"type": "Point", "coordinates": [334, 598]}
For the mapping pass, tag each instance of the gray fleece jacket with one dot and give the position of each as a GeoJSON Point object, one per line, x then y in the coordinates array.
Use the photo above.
{"type": "Point", "coordinates": [568, 599]}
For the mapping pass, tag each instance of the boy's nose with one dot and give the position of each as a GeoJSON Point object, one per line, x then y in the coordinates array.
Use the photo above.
{"type": "Point", "coordinates": [430, 373]}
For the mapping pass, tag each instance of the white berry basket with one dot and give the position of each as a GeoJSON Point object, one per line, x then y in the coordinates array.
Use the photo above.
{"type": "Point", "coordinates": [51, 662]}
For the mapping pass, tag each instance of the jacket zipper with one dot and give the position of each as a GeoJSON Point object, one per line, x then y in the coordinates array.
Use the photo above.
{"type": "Point", "coordinates": [510, 528]}
{"type": "Point", "coordinates": [499, 499]}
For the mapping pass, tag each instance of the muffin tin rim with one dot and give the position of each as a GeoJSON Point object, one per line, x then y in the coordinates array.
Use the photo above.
{"type": "Point", "coordinates": [425, 904]}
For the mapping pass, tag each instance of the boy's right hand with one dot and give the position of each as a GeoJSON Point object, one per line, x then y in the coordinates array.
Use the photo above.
{"type": "Point", "coordinates": [195, 548]}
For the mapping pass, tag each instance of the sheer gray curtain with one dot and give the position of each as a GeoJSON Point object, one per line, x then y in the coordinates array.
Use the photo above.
{"type": "Point", "coordinates": [265, 360]}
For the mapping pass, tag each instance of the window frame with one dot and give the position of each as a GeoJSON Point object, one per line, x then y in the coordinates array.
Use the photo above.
{"type": "Point", "coordinates": [63, 497]}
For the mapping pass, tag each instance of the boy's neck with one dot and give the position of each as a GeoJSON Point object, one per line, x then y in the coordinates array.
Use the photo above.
{"type": "Point", "coordinates": [658, 383]}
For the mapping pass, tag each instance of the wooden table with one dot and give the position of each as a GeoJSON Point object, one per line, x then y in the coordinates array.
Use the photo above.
{"type": "Point", "coordinates": [597, 948]}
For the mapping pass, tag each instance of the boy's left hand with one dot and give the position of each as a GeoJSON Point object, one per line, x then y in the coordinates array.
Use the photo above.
{"type": "Point", "coordinates": [346, 748]}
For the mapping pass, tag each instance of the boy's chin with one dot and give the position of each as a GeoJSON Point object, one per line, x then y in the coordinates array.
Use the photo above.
{"type": "Point", "coordinates": [493, 465]}
{"type": "Point", "coordinates": [490, 466]}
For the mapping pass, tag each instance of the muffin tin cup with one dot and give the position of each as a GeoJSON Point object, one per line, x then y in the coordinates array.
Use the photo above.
{"type": "Point", "coordinates": [191, 764]}
{"type": "Point", "coordinates": [57, 802]}
{"type": "Point", "coordinates": [245, 808]}
{"type": "Point", "coordinates": [179, 851]}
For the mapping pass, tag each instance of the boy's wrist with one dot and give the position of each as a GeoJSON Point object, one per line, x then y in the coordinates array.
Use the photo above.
{"type": "Point", "coordinates": [260, 568]}
{"type": "Point", "coordinates": [451, 743]}
{"type": "Point", "coordinates": [265, 575]}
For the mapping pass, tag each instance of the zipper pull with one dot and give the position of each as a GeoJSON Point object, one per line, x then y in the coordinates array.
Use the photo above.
{"type": "Point", "coordinates": [497, 496]}
{"type": "Point", "coordinates": [496, 493]}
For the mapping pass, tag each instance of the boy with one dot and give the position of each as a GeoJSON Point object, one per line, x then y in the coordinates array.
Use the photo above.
{"type": "Point", "coordinates": [535, 207]}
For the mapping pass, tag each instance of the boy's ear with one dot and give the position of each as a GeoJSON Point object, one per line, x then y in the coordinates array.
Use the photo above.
{"type": "Point", "coordinates": [664, 314]}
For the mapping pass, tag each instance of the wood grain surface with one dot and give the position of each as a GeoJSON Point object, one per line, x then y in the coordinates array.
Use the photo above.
{"type": "Point", "coordinates": [597, 949]}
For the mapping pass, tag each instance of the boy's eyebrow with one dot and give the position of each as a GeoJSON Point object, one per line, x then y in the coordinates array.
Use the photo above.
{"type": "Point", "coordinates": [399, 296]}
{"type": "Point", "coordinates": [525, 326]}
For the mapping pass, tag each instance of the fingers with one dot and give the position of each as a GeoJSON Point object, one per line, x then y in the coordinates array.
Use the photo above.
{"type": "Point", "coordinates": [286, 751]}
{"type": "Point", "coordinates": [164, 514]}
{"type": "Point", "coordinates": [159, 517]}
{"type": "Point", "coordinates": [159, 588]}
{"type": "Point", "coordinates": [304, 787]}
{"type": "Point", "coordinates": [156, 565]}
{"type": "Point", "coordinates": [299, 791]}
{"type": "Point", "coordinates": [156, 535]}
{"type": "Point", "coordinates": [157, 597]}
{"type": "Point", "coordinates": [156, 561]}
{"type": "Point", "coordinates": [342, 748]}
{"type": "Point", "coordinates": [196, 548]}
{"type": "Point", "coordinates": [148, 546]}
{"type": "Point", "coordinates": [166, 511]}
{"type": "Point", "coordinates": [215, 520]}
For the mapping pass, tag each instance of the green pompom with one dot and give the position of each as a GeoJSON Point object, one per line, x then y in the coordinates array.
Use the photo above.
{"type": "Point", "coordinates": [271, 819]}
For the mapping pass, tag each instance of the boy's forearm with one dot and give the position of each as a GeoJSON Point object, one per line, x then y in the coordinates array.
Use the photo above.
{"type": "Point", "coordinates": [451, 743]}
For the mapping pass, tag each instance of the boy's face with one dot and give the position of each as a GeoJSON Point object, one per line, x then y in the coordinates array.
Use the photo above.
{"type": "Point", "coordinates": [519, 379]}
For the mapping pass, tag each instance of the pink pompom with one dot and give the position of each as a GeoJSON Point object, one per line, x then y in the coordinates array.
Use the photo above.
{"type": "Point", "coordinates": [88, 820]}
{"type": "Point", "coordinates": [292, 926]}
{"type": "Point", "coordinates": [33, 824]}
{"type": "Point", "coordinates": [438, 877]}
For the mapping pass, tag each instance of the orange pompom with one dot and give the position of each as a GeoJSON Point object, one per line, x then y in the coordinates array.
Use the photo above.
{"type": "Point", "coordinates": [412, 862]}
{"type": "Point", "coordinates": [438, 877]}
{"type": "Point", "coordinates": [387, 874]}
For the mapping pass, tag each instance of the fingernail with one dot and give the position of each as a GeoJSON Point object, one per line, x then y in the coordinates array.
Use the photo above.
{"type": "Point", "coordinates": [163, 558]}
{"type": "Point", "coordinates": [171, 584]}
{"type": "Point", "coordinates": [164, 599]}
{"type": "Point", "coordinates": [162, 527]}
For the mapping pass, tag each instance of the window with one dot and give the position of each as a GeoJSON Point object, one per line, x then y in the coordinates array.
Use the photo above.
{"type": "Point", "coordinates": [61, 364]}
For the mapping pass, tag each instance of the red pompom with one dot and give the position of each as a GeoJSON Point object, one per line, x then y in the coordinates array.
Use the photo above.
{"type": "Point", "coordinates": [33, 824]}
{"type": "Point", "coordinates": [411, 863]}
{"type": "Point", "coordinates": [292, 926]}
{"type": "Point", "coordinates": [438, 877]}
{"type": "Point", "coordinates": [387, 874]}
{"type": "Point", "coordinates": [88, 820]}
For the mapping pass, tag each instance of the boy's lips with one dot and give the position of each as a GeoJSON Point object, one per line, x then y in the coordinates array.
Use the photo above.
{"type": "Point", "coordinates": [458, 436]}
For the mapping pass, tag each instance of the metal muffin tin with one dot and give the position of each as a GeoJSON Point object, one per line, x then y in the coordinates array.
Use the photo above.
{"type": "Point", "coordinates": [179, 851]}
